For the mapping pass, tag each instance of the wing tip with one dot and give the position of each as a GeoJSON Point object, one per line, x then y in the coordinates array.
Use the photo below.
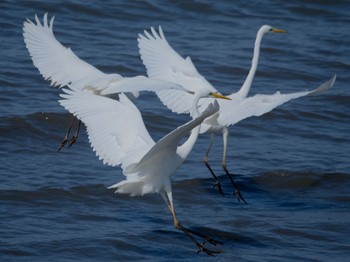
{"type": "Point", "coordinates": [325, 86]}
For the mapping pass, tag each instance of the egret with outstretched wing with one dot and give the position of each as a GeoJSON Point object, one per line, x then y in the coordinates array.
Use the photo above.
{"type": "Point", "coordinates": [62, 67]}
{"type": "Point", "coordinates": [118, 135]}
{"type": "Point", "coordinates": [164, 63]}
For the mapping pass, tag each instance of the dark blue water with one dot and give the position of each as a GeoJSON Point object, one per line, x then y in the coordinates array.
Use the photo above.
{"type": "Point", "coordinates": [292, 164]}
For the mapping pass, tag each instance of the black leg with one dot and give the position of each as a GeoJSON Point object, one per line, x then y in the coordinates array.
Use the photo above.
{"type": "Point", "coordinates": [237, 191]}
{"type": "Point", "coordinates": [167, 196]}
{"type": "Point", "coordinates": [65, 139]}
{"type": "Point", "coordinates": [75, 137]}
{"type": "Point", "coordinates": [206, 162]}
{"type": "Point", "coordinates": [217, 182]}
{"type": "Point", "coordinates": [190, 233]}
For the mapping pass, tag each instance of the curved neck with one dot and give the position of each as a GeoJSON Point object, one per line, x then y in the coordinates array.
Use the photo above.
{"type": "Point", "coordinates": [194, 109]}
{"type": "Point", "coordinates": [243, 92]}
{"type": "Point", "coordinates": [186, 147]}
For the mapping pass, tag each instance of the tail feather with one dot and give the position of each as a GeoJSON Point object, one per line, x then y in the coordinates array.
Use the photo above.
{"type": "Point", "coordinates": [131, 188]}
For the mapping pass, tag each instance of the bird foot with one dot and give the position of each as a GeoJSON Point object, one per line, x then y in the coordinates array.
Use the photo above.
{"type": "Point", "coordinates": [200, 246]}
{"type": "Point", "coordinates": [218, 186]}
{"type": "Point", "coordinates": [64, 141]}
{"type": "Point", "coordinates": [72, 141]}
{"type": "Point", "coordinates": [239, 196]}
{"type": "Point", "coordinates": [207, 251]}
{"type": "Point", "coordinates": [211, 241]}
{"type": "Point", "coordinates": [237, 192]}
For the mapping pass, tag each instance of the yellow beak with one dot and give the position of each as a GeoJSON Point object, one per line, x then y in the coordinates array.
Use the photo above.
{"type": "Point", "coordinates": [276, 30]}
{"type": "Point", "coordinates": [218, 95]}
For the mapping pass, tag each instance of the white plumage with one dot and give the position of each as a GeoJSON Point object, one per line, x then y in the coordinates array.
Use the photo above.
{"type": "Point", "coordinates": [57, 63]}
{"type": "Point", "coordinates": [117, 133]}
{"type": "Point", "coordinates": [163, 63]}
{"type": "Point", "coordinates": [62, 67]}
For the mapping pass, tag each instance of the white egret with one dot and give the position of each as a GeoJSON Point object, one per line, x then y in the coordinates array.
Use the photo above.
{"type": "Point", "coordinates": [60, 65]}
{"type": "Point", "coordinates": [118, 135]}
{"type": "Point", "coordinates": [164, 63]}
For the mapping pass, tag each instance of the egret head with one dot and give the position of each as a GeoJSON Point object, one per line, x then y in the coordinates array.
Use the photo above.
{"type": "Point", "coordinates": [267, 28]}
{"type": "Point", "coordinates": [208, 92]}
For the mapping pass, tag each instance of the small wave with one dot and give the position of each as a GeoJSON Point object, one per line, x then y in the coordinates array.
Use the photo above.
{"type": "Point", "coordinates": [49, 195]}
{"type": "Point", "coordinates": [33, 122]}
{"type": "Point", "coordinates": [283, 179]}
{"type": "Point", "coordinates": [32, 131]}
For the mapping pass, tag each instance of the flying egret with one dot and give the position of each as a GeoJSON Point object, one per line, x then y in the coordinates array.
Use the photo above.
{"type": "Point", "coordinates": [164, 63]}
{"type": "Point", "coordinates": [60, 65]}
{"type": "Point", "coordinates": [118, 135]}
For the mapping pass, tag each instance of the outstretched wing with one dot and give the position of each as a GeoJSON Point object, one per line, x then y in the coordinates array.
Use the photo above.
{"type": "Point", "coordinates": [115, 128]}
{"type": "Point", "coordinates": [171, 141]}
{"type": "Point", "coordinates": [138, 84]}
{"type": "Point", "coordinates": [58, 63]}
{"type": "Point", "coordinates": [233, 112]}
{"type": "Point", "coordinates": [164, 63]}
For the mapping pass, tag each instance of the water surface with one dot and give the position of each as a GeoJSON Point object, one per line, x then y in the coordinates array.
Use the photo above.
{"type": "Point", "coordinates": [292, 164]}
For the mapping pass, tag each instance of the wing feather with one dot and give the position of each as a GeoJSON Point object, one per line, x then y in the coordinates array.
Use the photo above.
{"type": "Point", "coordinates": [164, 63]}
{"type": "Point", "coordinates": [56, 62]}
{"type": "Point", "coordinates": [171, 141]}
{"type": "Point", "coordinates": [115, 128]}
{"type": "Point", "coordinates": [234, 111]}
{"type": "Point", "coordinates": [137, 84]}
